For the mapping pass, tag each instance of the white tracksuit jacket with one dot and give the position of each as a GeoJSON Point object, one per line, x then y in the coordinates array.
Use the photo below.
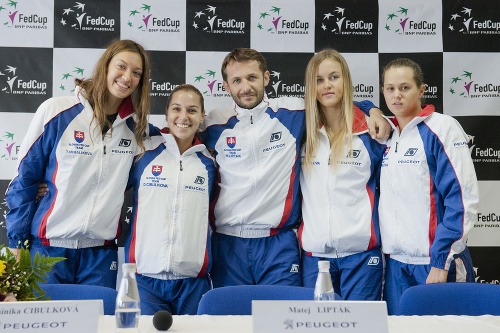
{"type": "Point", "coordinates": [169, 236]}
{"type": "Point", "coordinates": [340, 208]}
{"type": "Point", "coordinates": [429, 192]}
{"type": "Point", "coordinates": [86, 175]}
{"type": "Point", "coordinates": [258, 157]}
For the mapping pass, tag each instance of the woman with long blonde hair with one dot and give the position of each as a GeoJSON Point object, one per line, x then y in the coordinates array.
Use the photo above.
{"type": "Point", "coordinates": [338, 183]}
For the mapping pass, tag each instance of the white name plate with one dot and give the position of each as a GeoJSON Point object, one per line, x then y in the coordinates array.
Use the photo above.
{"type": "Point", "coordinates": [50, 316]}
{"type": "Point", "coordinates": [319, 316]}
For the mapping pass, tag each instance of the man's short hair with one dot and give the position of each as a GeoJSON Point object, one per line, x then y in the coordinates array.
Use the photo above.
{"type": "Point", "coordinates": [241, 55]}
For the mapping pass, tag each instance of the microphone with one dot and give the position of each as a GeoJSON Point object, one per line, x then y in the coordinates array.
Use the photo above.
{"type": "Point", "coordinates": [162, 320]}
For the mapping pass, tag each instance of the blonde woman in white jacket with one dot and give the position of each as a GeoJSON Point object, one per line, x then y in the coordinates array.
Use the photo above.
{"type": "Point", "coordinates": [338, 183]}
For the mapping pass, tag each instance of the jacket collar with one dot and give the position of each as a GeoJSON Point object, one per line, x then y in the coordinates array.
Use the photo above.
{"type": "Point", "coordinates": [171, 144]}
{"type": "Point", "coordinates": [427, 110]}
{"type": "Point", "coordinates": [255, 112]}
{"type": "Point", "coordinates": [125, 110]}
{"type": "Point", "coordinates": [359, 124]}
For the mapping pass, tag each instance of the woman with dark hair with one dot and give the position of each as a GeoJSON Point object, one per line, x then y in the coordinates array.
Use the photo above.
{"type": "Point", "coordinates": [82, 147]}
{"type": "Point", "coordinates": [169, 235]}
{"type": "Point", "coordinates": [428, 190]}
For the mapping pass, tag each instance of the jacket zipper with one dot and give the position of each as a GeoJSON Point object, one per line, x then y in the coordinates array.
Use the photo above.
{"type": "Point", "coordinates": [98, 185]}
{"type": "Point", "coordinates": [177, 200]}
{"type": "Point", "coordinates": [255, 160]}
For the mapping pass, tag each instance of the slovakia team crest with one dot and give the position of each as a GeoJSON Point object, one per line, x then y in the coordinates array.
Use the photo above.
{"type": "Point", "coordinates": [79, 136]}
{"type": "Point", "coordinates": [231, 141]}
{"type": "Point", "coordinates": [156, 170]}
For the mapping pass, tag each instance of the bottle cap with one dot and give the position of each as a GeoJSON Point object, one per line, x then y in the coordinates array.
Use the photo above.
{"type": "Point", "coordinates": [324, 265]}
{"type": "Point", "coordinates": [128, 267]}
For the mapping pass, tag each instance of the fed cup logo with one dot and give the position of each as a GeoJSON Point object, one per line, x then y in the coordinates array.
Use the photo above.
{"type": "Point", "coordinates": [401, 14]}
{"type": "Point", "coordinates": [209, 78]}
{"type": "Point", "coordinates": [400, 23]}
{"type": "Point", "coordinates": [9, 146]}
{"type": "Point", "coordinates": [21, 18]}
{"type": "Point", "coordinates": [137, 21]}
{"type": "Point", "coordinates": [141, 18]}
{"type": "Point", "coordinates": [13, 83]}
{"type": "Point", "coordinates": [67, 79]}
{"type": "Point", "coordinates": [77, 18]}
{"type": "Point", "coordinates": [209, 21]}
{"type": "Point", "coordinates": [10, 77]}
{"type": "Point", "coordinates": [461, 84]}
{"type": "Point", "coordinates": [342, 25]}
{"type": "Point", "coordinates": [461, 21]}
{"type": "Point", "coordinates": [282, 87]}
{"type": "Point", "coordinates": [274, 22]}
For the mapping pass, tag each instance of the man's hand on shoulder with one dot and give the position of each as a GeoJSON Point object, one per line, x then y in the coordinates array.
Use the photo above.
{"type": "Point", "coordinates": [378, 126]}
{"type": "Point", "coordinates": [42, 190]}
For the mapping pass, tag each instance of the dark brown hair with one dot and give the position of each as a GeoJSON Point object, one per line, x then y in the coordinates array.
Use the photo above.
{"type": "Point", "coordinates": [242, 55]}
{"type": "Point", "coordinates": [418, 75]}
{"type": "Point", "coordinates": [96, 88]}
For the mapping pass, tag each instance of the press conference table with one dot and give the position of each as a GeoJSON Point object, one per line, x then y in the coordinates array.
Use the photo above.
{"type": "Point", "coordinates": [243, 324]}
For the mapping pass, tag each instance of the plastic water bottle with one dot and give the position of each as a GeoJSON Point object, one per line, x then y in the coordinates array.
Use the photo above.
{"type": "Point", "coordinates": [128, 309]}
{"type": "Point", "coordinates": [323, 291]}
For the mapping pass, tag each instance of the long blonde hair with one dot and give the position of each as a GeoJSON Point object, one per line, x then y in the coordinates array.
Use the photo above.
{"type": "Point", "coordinates": [96, 88]}
{"type": "Point", "coordinates": [314, 114]}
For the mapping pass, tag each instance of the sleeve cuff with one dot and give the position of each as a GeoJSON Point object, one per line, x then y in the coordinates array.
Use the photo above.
{"type": "Point", "coordinates": [365, 106]}
{"type": "Point", "coordinates": [440, 263]}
